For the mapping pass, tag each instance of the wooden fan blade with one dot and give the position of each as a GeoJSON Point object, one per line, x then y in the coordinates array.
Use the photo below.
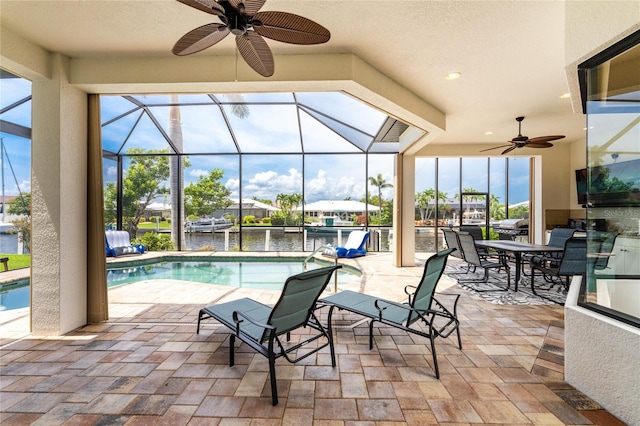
{"type": "Point", "coordinates": [251, 7]}
{"type": "Point", "coordinates": [289, 28]}
{"type": "Point", "coordinates": [545, 138]}
{"type": "Point", "coordinates": [208, 6]}
{"type": "Point", "coordinates": [508, 150]}
{"type": "Point", "coordinates": [495, 147]}
{"type": "Point", "coordinates": [256, 53]}
{"type": "Point", "coordinates": [538, 145]}
{"type": "Point", "coordinates": [199, 39]}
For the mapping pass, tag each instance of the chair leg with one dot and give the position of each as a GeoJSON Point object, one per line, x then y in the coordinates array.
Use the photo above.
{"type": "Point", "coordinates": [371, 334]}
{"type": "Point", "coordinates": [533, 279]}
{"type": "Point", "coordinates": [272, 373]}
{"type": "Point", "coordinates": [199, 319]}
{"type": "Point", "coordinates": [485, 280]}
{"type": "Point", "coordinates": [433, 353]}
{"type": "Point", "coordinates": [330, 333]}
{"type": "Point", "coordinates": [232, 345]}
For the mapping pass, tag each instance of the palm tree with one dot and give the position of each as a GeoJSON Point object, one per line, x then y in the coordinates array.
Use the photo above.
{"type": "Point", "coordinates": [176, 175]}
{"type": "Point", "coordinates": [467, 199]}
{"type": "Point", "coordinates": [380, 183]}
{"type": "Point", "coordinates": [496, 210]}
{"type": "Point", "coordinates": [423, 199]}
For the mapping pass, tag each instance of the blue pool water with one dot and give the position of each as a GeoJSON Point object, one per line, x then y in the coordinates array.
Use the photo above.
{"type": "Point", "coordinates": [250, 274]}
{"type": "Point", "coordinates": [15, 295]}
{"type": "Point", "coordinates": [259, 275]}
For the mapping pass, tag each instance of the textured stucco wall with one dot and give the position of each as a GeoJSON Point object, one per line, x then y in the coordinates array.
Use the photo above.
{"type": "Point", "coordinates": [58, 196]}
{"type": "Point", "coordinates": [602, 359]}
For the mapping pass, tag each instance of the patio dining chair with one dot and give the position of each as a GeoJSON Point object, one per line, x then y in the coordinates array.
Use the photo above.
{"type": "Point", "coordinates": [557, 238]}
{"type": "Point", "coordinates": [452, 242]}
{"type": "Point", "coordinates": [573, 261]}
{"type": "Point", "coordinates": [261, 326]}
{"type": "Point", "coordinates": [471, 256]}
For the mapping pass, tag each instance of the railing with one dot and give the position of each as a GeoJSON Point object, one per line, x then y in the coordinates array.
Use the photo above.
{"type": "Point", "coordinates": [323, 249]}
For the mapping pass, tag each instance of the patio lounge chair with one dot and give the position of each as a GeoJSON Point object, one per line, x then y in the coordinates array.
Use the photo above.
{"type": "Point", "coordinates": [355, 245]}
{"type": "Point", "coordinates": [261, 326]}
{"type": "Point", "coordinates": [422, 307]}
{"type": "Point", "coordinates": [118, 244]}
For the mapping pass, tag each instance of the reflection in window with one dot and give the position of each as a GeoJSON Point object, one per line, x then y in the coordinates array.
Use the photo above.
{"type": "Point", "coordinates": [612, 182]}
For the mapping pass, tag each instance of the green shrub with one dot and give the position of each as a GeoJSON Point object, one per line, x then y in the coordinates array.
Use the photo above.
{"type": "Point", "coordinates": [277, 219]}
{"type": "Point", "coordinates": [266, 220]}
{"type": "Point", "coordinates": [155, 242]}
{"type": "Point", "coordinates": [249, 219]}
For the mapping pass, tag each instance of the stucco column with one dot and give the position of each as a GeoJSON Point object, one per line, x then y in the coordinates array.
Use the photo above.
{"type": "Point", "coordinates": [404, 244]}
{"type": "Point", "coordinates": [59, 200]}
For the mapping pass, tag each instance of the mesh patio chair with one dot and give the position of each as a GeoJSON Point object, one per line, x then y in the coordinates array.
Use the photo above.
{"type": "Point", "coordinates": [452, 242]}
{"type": "Point", "coordinates": [573, 261]}
{"type": "Point", "coordinates": [556, 239]}
{"type": "Point", "coordinates": [471, 256]}
{"type": "Point", "coordinates": [261, 326]}
{"type": "Point", "coordinates": [422, 307]}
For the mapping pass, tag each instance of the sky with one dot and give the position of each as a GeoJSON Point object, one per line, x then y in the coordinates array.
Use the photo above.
{"type": "Point", "coordinates": [271, 142]}
{"type": "Point", "coordinates": [271, 138]}
{"type": "Point", "coordinates": [16, 158]}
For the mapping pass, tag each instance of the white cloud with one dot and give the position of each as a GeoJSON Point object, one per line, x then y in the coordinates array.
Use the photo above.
{"type": "Point", "coordinates": [198, 172]}
{"type": "Point", "coordinates": [268, 184]}
{"type": "Point", "coordinates": [25, 187]}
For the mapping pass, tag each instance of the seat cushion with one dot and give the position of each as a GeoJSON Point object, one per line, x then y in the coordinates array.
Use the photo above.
{"type": "Point", "coordinates": [223, 313]}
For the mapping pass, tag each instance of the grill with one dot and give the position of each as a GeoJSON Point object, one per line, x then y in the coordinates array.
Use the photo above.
{"type": "Point", "coordinates": [512, 228]}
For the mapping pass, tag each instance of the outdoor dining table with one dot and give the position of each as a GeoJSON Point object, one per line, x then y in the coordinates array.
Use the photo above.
{"type": "Point", "coordinates": [518, 248]}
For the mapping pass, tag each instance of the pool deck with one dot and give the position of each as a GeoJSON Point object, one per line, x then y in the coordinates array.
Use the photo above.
{"type": "Point", "coordinates": [146, 365]}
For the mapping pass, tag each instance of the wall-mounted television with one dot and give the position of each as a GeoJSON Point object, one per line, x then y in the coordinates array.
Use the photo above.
{"type": "Point", "coordinates": [610, 185]}
{"type": "Point", "coordinates": [581, 185]}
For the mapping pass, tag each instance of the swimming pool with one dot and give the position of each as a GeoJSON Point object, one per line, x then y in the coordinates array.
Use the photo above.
{"type": "Point", "coordinates": [257, 273]}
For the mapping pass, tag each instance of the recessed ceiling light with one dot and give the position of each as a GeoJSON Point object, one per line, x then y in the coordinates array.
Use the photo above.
{"type": "Point", "coordinates": [488, 133]}
{"type": "Point", "coordinates": [453, 76]}
{"type": "Point", "coordinates": [565, 96]}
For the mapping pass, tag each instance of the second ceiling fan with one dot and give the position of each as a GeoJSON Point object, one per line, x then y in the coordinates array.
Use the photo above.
{"type": "Point", "coordinates": [243, 19]}
{"type": "Point", "coordinates": [521, 141]}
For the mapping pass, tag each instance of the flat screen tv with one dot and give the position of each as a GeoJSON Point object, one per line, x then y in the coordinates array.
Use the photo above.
{"type": "Point", "coordinates": [609, 185]}
{"type": "Point", "coordinates": [581, 185]}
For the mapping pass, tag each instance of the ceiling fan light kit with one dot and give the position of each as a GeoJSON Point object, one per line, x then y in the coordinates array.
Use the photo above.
{"type": "Point", "coordinates": [243, 19]}
{"type": "Point", "coordinates": [521, 141]}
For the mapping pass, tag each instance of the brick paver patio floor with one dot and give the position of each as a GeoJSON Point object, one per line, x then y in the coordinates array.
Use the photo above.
{"type": "Point", "coordinates": [147, 366]}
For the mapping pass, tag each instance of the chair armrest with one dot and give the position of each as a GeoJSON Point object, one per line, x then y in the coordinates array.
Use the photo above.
{"type": "Point", "coordinates": [400, 305]}
{"type": "Point", "coordinates": [407, 291]}
{"type": "Point", "coordinates": [238, 321]}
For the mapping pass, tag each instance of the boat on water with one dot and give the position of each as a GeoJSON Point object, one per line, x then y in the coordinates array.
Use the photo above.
{"type": "Point", "coordinates": [318, 229]}
{"type": "Point", "coordinates": [331, 225]}
{"type": "Point", "coordinates": [208, 224]}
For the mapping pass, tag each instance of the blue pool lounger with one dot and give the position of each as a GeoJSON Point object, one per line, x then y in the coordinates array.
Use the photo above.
{"type": "Point", "coordinates": [119, 244]}
{"type": "Point", "coordinates": [355, 245]}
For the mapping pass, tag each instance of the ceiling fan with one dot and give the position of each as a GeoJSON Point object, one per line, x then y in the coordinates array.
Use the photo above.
{"type": "Point", "coordinates": [243, 19]}
{"type": "Point", "coordinates": [524, 141]}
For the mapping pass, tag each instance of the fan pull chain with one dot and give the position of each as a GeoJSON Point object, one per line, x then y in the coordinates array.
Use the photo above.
{"type": "Point", "coordinates": [236, 64]}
